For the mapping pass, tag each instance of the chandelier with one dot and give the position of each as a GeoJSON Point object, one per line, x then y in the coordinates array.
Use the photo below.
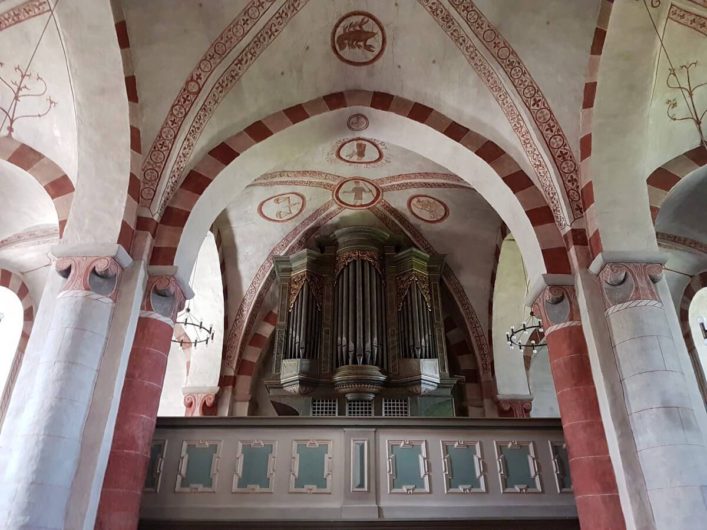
{"type": "Point", "coordinates": [530, 334]}
{"type": "Point", "coordinates": [197, 333]}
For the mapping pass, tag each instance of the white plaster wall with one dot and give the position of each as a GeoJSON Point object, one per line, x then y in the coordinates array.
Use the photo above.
{"type": "Point", "coordinates": [509, 310]}
{"type": "Point", "coordinates": [207, 304]}
{"type": "Point", "coordinates": [698, 313]}
{"type": "Point", "coordinates": [205, 362]}
{"type": "Point", "coordinates": [542, 387]}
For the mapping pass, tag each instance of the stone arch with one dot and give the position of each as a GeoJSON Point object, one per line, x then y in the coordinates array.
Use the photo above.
{"type": "Point", "coordinates": [52, 178]}
{"type": "Point", "coordinates": [168, 232]}
{"type": "Point", "coordinates": [697, 282]}
{"type": "Point", "coordinates": [128, 225]}
{"type": "Point", "coordinates": [247, 364]}
{"type": "Point", "coordinates": [585, 123]}
{"type": "Point", "coordinates": [13, 281]}
{"type": "Point", "coordinates": [666, 177]}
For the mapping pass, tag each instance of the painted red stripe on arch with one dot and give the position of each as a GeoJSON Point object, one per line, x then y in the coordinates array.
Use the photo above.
{"type": "Point", "coordinates": [135, 139]}
{"type": "Point", "coordinates": [224, 153]}
{"type": "Point", "coordinates": [25, 157]}
{"type": "Point", "coordinates": [258, 340]}
{"type": "Point", "coordinates": [419, 112]}
{"type": "Point", "coordinates": [698, 155]}
{"type": "Point", "coordinates": [125, 237]}
{"type": "Point", "coordinates": [5, 277]}
{"type": "Point", "coordinates": [134, 187]}
{"type": "Point", "coordinates": [163, 255]}
{"type": "Point", "coordinates": [174, 216]}
{"type": "Point", "coordinates": [59, 187]}
{"type": "Point", "coordinates": [489, 151]}
{"type": "Point", "coordinates": [381, 100]}
{"type": "Point", "coordinates": [258, 131]}
{"type": "Point", "coordinates": [598, 41]}
{"type": "Point", "coordinates": [663, 179]}
{"type": "Point", "coordinates": [245, 367]}
{"type": "Point", "coordinates": [131, 88]}
{"type": "Point", "coordinates": [296, 114]}
{"type": "Point", "coordinates": [518, 181]}
{"type": "Point", "coordinates": [590, 92]}
{"type": "Point", "coordinates": [540, 216]}
{"type": "Point", "coordinates": [271, 318]}
{"type": "Point", "coordinates": [455, 131]}
{"type": "Point", "coordinates": [334, 101]}
{"type": "Point", "coordinates": [121, 30]}
{"type": "Point", "coordinates": [556, 261]}
{"type": "Point", "coordinates": [196, 182]}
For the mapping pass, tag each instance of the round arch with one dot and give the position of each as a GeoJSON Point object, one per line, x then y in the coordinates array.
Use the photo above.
{"type": "Point", "coordinates": [697, 282]}
{"type": "Point", "coordinates": [214, 180]}
{"type": "Point", "coordinates": [52, 178]}
{"type": "Point", "coordinates": [13, 281]}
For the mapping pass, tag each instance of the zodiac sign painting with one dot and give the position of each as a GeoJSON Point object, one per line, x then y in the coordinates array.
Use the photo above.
{"type": "Point", "coordinates": [358, 38]}
{"type": "Point", "coordinates": [357, 193]}
{"type": "Point", "coordinates": [428, 208]}
{"type": "Point", "coordinates": [282, 208]}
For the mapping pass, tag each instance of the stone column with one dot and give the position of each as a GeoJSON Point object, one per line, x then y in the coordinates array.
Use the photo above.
{"type": "Point", "coordinates": [119, 506]}
{"type": "Point", "coordinates": [46, 431]}
{"type": "Point", "coordinates": [662, 429]}
{"type": "Point", "coordinates": [593, 480]}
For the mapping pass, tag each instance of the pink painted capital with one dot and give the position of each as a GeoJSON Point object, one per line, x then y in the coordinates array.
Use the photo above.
{"type": "Point", "coordinates": [200, 402]}
{"type": "Point", "coordinates": [557, 306]}
{"type": "Point", "coordinates": [97, 274]}
{"type": "Point", "coordinates": [164, 296]}
{"type": "Point", "coordinates": [515, 407]}
{"type": "Point", "coordinates": [630, 282]}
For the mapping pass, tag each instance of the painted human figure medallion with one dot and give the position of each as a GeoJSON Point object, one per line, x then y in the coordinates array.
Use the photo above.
{"type": "Point", "coordinates": [358, 38]}
{"type": "Point", "coordinates": [357, 193]}
{"type": "Point", "coordinates": [428, 208]}
{"type": "Point", "coordinates": [359, 151]}
{"type": "Point", "coordinates": [282, 208]}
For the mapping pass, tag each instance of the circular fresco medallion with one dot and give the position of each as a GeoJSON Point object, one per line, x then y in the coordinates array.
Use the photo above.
{"type": "Point", "coordinates": [428, 208]}
{"type": "Point", "coordinates": [358, 38]}
{"type": "Point", "coordinates": [282, 208]}
{"type": "Point", "coordinates": [357, 193]}
{"type": "Point", "coordinates": [359, 151]}
{"type": "Point", "coordinates": [357, 122]}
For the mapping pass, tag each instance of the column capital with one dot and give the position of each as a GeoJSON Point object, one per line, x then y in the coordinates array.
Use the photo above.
{"type": "Point", "coordinates": [90, 268]}
{"type": "Point", "coordinates": [518, 406]}
{"type": "Point", "coordinates": [200, 401]}
{"type": "Point", "coordinates": [556, 305]}
{"type": "Point", "coordinates": [627, 284]}
{"type": "Point", "coordinates": [164, 298]}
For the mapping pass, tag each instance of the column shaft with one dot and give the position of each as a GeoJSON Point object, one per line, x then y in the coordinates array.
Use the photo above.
{"type": "Point", "coordinates": [593, 479]}
{"type": "Point", "coordinates": [119, 506]}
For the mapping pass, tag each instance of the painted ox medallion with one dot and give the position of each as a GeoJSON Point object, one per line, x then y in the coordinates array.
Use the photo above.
{"type": "Point", "coordinates": [428, 208]}
{"type": "Point", "coordinates": [357, 193]}
{"type": "Point", "coordinates": [358, 38]}
{"type": "Point", "coordinates": [282, 208]}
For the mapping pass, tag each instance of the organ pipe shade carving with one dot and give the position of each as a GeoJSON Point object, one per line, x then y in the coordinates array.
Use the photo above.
{"type": "Point", "coordinates": [304, 317]}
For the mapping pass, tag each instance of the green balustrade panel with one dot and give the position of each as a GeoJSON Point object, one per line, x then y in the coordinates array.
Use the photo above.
{"type": "Point", "coordinates": [199, 463]}
{"type": "Point", "coordinates": [154, 467]}
{"type": "Point", "coordinates": [407, 468]}
{"type": "Point", "coordinates": [518, 466]}
{"type": "Point", "coordinates": [463, 467]}
{"type": "Point", "coordinates": [312, 470]}
{"type": "Point", "coordinates": [255, 469]}
{"type": "Point", "coordinates": [359, 465]}
{"type": "Point", "coordinates": [561, 462]}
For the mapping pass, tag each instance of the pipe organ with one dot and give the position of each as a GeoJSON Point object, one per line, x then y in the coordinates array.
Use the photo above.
{"type": "Point", "coordinates": [360, 322]}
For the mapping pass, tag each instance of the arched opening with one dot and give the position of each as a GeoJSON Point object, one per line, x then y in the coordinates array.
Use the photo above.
{"type": "Point", "coordinates": [11, 326]}
{"type": "Point", "coordinates": [195, 353]}
{"type": "Point", "coordinates": [697, 319]}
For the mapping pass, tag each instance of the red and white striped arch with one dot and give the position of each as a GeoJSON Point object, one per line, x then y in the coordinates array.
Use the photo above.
{"type": "Point", "coordinates": [13, 281]}
{"type": "Point", "coordinates": [247, 365]}
{"type": "Point", "coordinates": [585, 140]}
{"type": "Point", "coordinates": [664, 178]}
{"type": "Point", "coordinates": [169, 230]}
{"type": "Point", "coordinates": [52, 178]}
{"type": "Point", "coordinates": [128, 225]}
